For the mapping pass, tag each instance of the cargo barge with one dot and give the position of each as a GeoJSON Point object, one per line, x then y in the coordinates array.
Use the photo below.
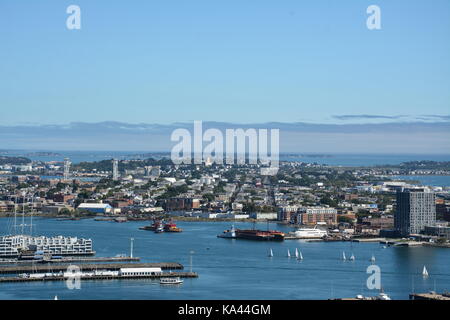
{"type": "Point", "coordinates": [252, 234]}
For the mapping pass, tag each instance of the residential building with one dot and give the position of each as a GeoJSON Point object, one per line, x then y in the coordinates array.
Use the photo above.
{"type": "Point", "coordinates": [416, 208]}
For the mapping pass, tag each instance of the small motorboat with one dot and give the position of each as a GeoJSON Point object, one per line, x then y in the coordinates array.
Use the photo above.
{"type": "Point", "coordinates": [176, 280]}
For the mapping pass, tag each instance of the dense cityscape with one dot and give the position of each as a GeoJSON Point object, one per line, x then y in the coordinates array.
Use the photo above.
{"type": "Point", "coordinates": [350, 202]}
{"type": "Point", "coordinates": [216, 159]}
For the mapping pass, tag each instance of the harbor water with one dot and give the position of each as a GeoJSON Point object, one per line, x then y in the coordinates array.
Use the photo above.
{"type": "Point", "coordinates": [238, 269]}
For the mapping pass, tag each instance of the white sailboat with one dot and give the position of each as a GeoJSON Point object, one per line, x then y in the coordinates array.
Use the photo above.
{"type": "Point", "coordinates": [296, 253]}
{"type": "Point", "coordinates": [352, 258]}
{"type": "Point", "coordinates": [343, 256]}
{"type": "Point", "coordinates": [56, 298]}
{"type": "Point", "coordinates": [270, 253]}
{"type": "Point", "coordinates": [288, 254]}
{"type": "Point", "coordinates": [372, 259]}
{"type": "Point", "coordinates": [425, 272]}
{"type": "Point", "coordinates": [300, 256]}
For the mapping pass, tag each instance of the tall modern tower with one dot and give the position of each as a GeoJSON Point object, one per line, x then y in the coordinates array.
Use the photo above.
{"type": "Point", "coordinates": [416, 208]}
{"type": "Point", "coordinates": [66, 168]}
{"type": "Point", "coordinates": [115, 169]}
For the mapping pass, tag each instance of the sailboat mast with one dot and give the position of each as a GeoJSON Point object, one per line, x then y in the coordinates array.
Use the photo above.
{"type": "Point", "coordinates": [15, 215]}
{"type": "Point", "coordinates": [31, 217]}
{"type": "Point", "coordinates": [23, 212]}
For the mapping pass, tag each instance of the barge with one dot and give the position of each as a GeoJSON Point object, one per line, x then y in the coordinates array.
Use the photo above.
{"type": "Point", "coordinates": [253, 234]}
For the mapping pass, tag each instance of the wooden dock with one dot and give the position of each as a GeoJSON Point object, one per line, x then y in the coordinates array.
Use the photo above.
{"type": "Point", "coordinates": [44, 268]}
{"type": "Point", "coordinates": [101, 277]}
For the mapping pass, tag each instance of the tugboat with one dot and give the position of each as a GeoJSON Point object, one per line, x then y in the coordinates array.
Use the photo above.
{"type": "Point", "coordinates": [228, 234]}
{"type": "Point", "coordinates": [171, 227]}
{"type": "Point", "coordinates": [159, 229]}
{"type": "Point", "coordinates": [159, 226]}
{"type": "Point", "coordinates": [153, 227]}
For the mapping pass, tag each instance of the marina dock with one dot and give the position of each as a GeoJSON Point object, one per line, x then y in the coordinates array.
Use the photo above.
{"type": "Point", "coordinates": [102, 277]}
{"type": "Point", "coordinates": [71, 260]}
{"type": "Point", "coordinates": [43, 268]}
{"type": "Point", "coordinates": [429, 296]}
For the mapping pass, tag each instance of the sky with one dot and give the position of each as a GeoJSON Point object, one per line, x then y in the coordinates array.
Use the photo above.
{"type": "Point", "coordinates": [236, 61]}
{"type": "Point", "coordinates": [289, 62]}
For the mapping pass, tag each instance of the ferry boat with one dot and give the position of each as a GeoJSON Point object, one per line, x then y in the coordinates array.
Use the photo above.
{"type": "Point", "coordinates": [176, 280]}
{"type": "Point", "coordinates": [16, 245]}
{"type": "Point", "coordinates": [309, 233]}
{"type": "Point", "coordinates": [228, 234]}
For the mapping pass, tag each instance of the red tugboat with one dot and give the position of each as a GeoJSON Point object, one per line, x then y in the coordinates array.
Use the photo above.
{"type": "Point", "coordinates": [171, 227]}
{"type": "Point", "coordinates": [159, 226]}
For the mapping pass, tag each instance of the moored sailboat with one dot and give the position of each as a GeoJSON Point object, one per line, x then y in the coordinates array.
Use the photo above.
{"type": "Point", "coordinates": [425, 272]}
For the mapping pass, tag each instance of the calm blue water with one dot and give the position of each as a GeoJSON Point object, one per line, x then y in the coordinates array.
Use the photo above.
{"type": "Point", "coordinates": [435, 181]}
{"type": "Point", "coordinates": [335, 159]}
{"type": "Point", "coordinates": [348, 160]}
{"type": "Point", "coordinates": [238, 269]}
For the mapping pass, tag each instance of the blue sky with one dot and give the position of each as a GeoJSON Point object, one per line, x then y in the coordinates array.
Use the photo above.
{"type": "Point", "coordinates": [233, 61]}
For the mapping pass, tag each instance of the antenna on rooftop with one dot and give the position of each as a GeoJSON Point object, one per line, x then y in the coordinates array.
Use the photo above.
{"type": "Point", "coordinates": [15, 215]}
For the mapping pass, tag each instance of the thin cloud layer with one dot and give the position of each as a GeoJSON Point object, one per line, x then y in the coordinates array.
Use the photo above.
{"type": "Point", "coordinates": [396, 137]}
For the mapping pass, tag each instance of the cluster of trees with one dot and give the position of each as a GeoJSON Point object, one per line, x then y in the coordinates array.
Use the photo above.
{"type": "Point", "coordinates": [424, 164]}
{"type": "Point", "coordinates": [106, 165]}
{"type": "Point", "coordinates": [172, 192]}
{"type": "Point", "coordinates": [250, 207]}
{"type": "Point", "coordinates": [14, 160]}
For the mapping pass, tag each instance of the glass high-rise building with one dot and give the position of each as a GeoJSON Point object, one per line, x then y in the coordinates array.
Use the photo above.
{"type": "Point", "coordinates": [416, 208]}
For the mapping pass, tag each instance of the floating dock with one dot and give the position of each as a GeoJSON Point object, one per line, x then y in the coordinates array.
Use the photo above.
{"type": "Point", "coordinates": [429, 296]}
{"type": "Point", "coordinates": [380, 240]}
{"type": "Point", "coordinates": [102, 277]}
{"type": "Point", "coordinates": [43, 268]}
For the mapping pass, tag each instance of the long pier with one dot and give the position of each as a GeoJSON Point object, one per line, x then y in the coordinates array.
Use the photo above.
{"type": "Point", "coordinates": [71, 260]}
{"type": "Point", "coordinates": [43, 268]}
{"type": "Point", "coordinates": [102, 277]}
